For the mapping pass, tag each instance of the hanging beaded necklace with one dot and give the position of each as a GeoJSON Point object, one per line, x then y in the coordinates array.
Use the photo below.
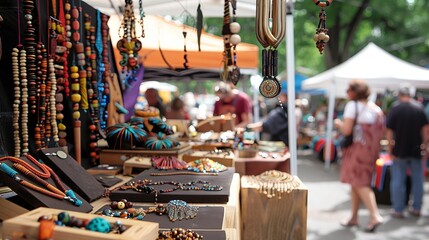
{"type": "Point", "coordinates": [19, 75]}
{"type": "Point", "coordinates": [76, 76]}
{"type": "Point", "coordinates": [29, 44]}
{"type": "Point", "coordinates": [29, 86]}
{"type": "Point", "coordinates": [91, 73]}
{"type": "Point", "coordinates": [59, 53]}
{"type": "Point", "coordinates": [321, 37]}
{"type": "Point", "coordinates": [106, 75]}
{"type": "Point", "coordinates": [129, 45]}
{"type": "Point", "coordinates": [231, 39]}
{"type": "Point", "coordinates": [42, 66]}
{"type": "Point", "coordinates": [45, 172]}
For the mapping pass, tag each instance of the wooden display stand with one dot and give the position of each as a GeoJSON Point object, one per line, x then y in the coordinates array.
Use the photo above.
{"type": "Point", "coordinates": [117, 157]}
{"type": "Point", "coordinates": [273, 218]}
{"type": "Point", "coordinates": [136, 162]}
{"type": "Point", "coordinates": [27, 226]}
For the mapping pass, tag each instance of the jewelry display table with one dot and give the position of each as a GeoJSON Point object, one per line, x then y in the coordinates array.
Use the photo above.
{"type": "Point", "coordinates": [271, 217]}
{"type": "Point", "coordinates": [231, 209]}
{"type": "Point", "coordinates": [262, 162]}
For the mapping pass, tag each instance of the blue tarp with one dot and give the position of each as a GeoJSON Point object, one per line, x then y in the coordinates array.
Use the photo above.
{"type": "Point", "coordinates": [299, 78]}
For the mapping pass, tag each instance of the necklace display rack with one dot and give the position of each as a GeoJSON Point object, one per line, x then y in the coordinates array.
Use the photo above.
{"type": "Point", "coordinates": [222, 180]}
{"type": "Point", "coordinates": [37, 198]}
{"type": "Point", "coordinates": [72, 173]}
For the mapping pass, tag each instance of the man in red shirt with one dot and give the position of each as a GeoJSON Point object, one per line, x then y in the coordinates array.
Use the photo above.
{"type": "Point", "coordinates": [234, 102]}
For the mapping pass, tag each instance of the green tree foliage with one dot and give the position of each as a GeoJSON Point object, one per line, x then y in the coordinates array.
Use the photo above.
{"type": "Point", "coordinates": [398, 26]}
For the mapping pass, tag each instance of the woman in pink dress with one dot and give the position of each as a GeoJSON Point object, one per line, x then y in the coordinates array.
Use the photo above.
{"type": "Point", "coordinates": [358, 161]}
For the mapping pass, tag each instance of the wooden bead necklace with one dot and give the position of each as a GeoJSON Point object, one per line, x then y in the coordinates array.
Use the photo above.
{"type": "Point", "coordinates": [91, 73]}
{"type": "Point", "coordinates": [41, 64]}
{"type": "Point", "coordinates": [77, 75]}
{"type": "Point", "coordinates": [321, 37]}
{"type": "Point", "coordinates": [270, 38]}
{"type": "Point", "coordinates": [16, 52]}
{"type": "Point", "coordinates": [45, 172]}
{"type": "Point", "coordinates": [58, 34]}
{"type": "Point", "coordinates": [29, 44]}
{"type": "Point", "coordinates": [19, 75]}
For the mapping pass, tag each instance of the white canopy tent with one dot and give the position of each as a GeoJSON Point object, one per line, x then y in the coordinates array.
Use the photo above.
{"type": "Point", "coordinates": [377, 67]}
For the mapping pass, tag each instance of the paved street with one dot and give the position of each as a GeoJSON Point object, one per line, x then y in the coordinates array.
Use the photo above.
{"type": "Point", "coordinates": [328, 204]}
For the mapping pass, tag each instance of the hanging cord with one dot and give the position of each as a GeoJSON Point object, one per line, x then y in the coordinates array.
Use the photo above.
{"type": "Point", "coordinates": [270, 38]}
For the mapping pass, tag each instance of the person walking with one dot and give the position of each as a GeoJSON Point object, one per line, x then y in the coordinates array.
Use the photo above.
{"type": "Point", "coordinates": [407, 134]}
{"type": "Point", "coordinates": [365, 120]}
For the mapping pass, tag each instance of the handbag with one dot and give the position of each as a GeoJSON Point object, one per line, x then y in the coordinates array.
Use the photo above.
{"type": "Point", "coordinates": [347, 141]}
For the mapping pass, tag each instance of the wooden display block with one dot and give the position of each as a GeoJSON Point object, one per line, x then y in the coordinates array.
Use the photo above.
{"type": "Point", "coordinates": [136, 162]}
{"type": "Point", "coordinates": [273, 218]}
{"type": "Point", "coordinates": [258, 164]}
{"type": "Point", "coordinates": [26, 226]}
{"type": "Point", "coordinates": [117, 157]}
{"type": "Point", "coordinates": [225, 158]}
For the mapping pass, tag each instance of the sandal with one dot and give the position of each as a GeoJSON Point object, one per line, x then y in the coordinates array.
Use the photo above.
{"type": "Point", "coordinates": [349, 224]}
{"type": "Point", "coordinates": [373, 227]}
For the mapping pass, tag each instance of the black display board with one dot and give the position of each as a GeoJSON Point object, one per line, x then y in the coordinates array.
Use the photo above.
{"type": "Point", "coordinates": [207, 218]}
{"type": "Point", "coordinates": [72, 173]}
{"type": "Point", "coordinates": [36, 199]}
{"type": "Point", "coordinates": [224, 179]}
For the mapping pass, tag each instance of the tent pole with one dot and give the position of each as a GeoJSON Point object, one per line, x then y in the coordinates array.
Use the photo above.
{"type": "Point", "coordinates": [329, 125]}
{"type": "Point", "coordinates": [290, 68]}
